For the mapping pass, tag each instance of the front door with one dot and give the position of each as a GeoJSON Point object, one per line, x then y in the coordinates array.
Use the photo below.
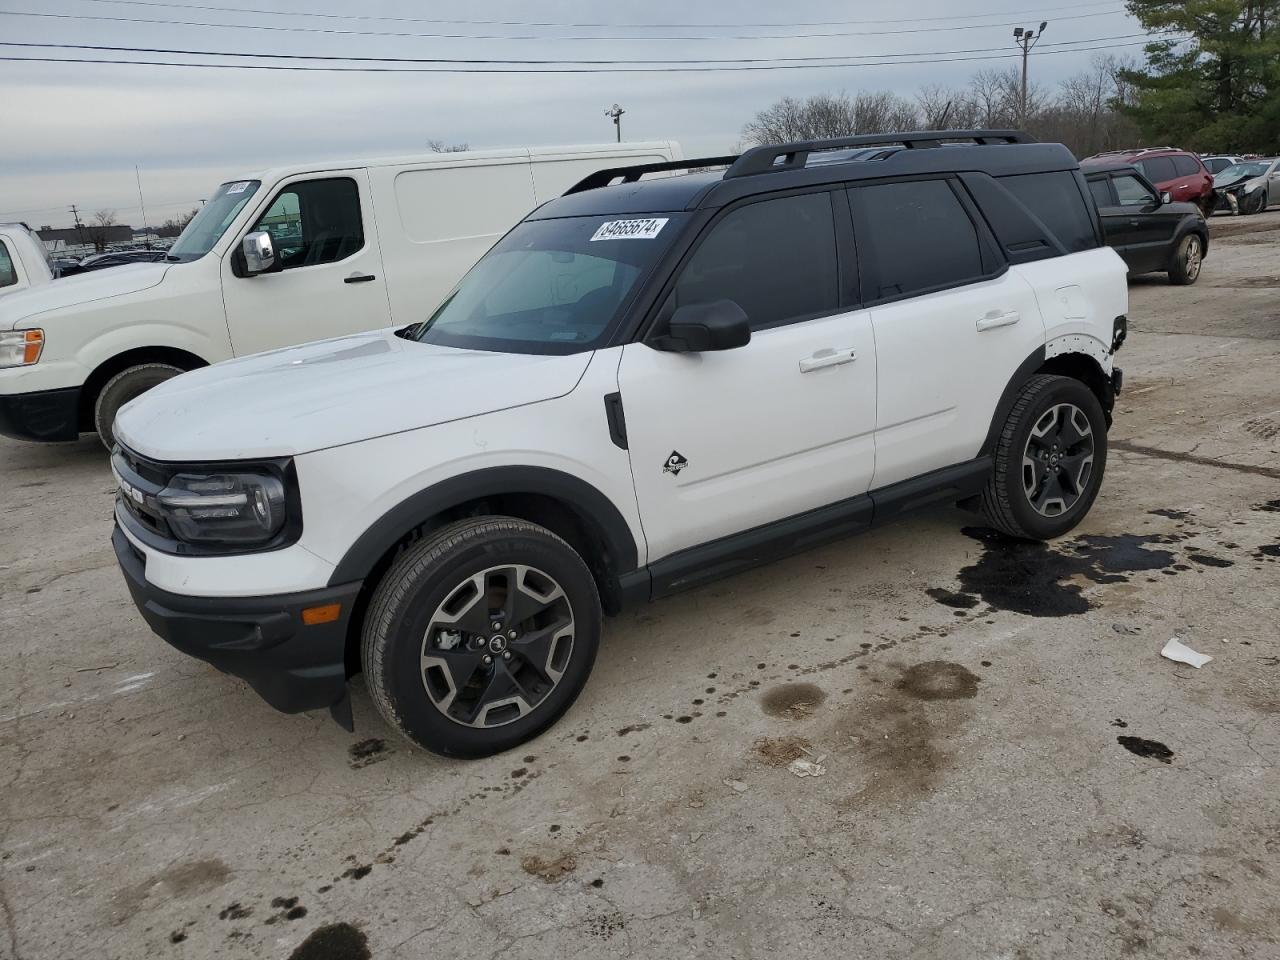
{"type": "Point", "coordinates": [332, 282]}
{"type": "Point", "coordinates": [1146, 224]}
{"type": "Point", "coordinates": [724, 441]}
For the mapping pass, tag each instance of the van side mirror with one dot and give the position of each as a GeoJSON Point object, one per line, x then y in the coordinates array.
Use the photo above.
{"type": "Point", "coordinates": [1166, 197]}
{"type": "Point", "coordinates": [259, 253]}
{"type": "Point", "coordinates": [701, 327]}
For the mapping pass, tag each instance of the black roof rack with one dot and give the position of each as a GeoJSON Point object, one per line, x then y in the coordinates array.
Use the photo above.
{"type": "Point", "coordinates": [602, 178]}
{"type": "Point", "coordinates": [795, 155]}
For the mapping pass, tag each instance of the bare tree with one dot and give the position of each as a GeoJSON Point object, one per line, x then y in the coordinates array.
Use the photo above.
{"type": "Point", "coordinates": [99, 229]}
{"type": "Point", "coordinates": [439, 146]}
{"type": "Point", "coordinates": [175, 225]}
{"type": "Point", "coordinates": [826, 115]}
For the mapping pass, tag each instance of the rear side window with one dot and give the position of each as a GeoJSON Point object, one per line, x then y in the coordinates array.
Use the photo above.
{"type": "Point", "coordinates": [913, 236]}
{"type": "Point", "coordinates": [314, 221]}
{"type": "Point", "coordinates": [8, 275]}
{"type": "Point", "coordinates": [1157, 169]}
{"type": "Point", "coordinates": [1132, 191]}
{"type": "Point", "coordinates": [776, 259]}
{"type": "Point", "coordinates": [1185, 166]}
{"type": "Point", "coordinates": [1101, 192]}
{"type": "Point", "coordinates": [1056, 200]}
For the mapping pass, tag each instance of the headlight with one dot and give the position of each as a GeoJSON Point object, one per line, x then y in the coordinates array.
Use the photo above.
{"type": "Point", "coordinates": [228, 508]}
{"type": "Point", "coordinates": [20, 348]}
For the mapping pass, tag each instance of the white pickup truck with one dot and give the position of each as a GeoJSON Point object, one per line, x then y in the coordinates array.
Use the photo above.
{"type": "Point", "coordinates": [23, 260]}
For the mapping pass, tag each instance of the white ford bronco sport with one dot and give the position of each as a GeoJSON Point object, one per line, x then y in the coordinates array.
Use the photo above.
{"type": "Point", "coordinates": [645, 385]}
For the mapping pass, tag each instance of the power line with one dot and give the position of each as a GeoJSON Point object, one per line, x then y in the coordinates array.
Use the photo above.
{"type": "Point", "coordinates": [332, 31]}
{"type": "Point", "coordinates": [583, 26]}
{"type": "Point", "coordinates": [175, 51]}
{"type": "Point", "coordinates": [298, 68]}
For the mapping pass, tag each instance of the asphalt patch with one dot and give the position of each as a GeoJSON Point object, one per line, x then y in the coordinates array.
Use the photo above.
{"type": "Point", "coordinates": [1153, 749]}
{"type": "Point", "coordinates": [1030, 578]}
{"type": "Point", "coordinates": [334, 941]}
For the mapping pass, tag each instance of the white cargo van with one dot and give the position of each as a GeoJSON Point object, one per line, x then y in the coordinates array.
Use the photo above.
{"type": "Point", "coordinates": [335, 248]}
{"type": "Point", "coordinates": [23, 260]}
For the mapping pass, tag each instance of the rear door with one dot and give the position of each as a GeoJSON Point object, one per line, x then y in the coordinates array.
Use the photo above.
{"type": "Point", "coordinates": [951, 322]}
{"type": "Point", "coordinates": [728, 440]}
{"type": "Point", "coordinates": [332, 282]}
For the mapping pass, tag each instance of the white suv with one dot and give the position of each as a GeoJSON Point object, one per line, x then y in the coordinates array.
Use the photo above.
{"type": "Point", "coordinates": [643, 386]}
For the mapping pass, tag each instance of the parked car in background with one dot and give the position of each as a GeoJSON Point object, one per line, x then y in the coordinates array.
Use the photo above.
{"type": "Point", "coordinates": [336, 248]}
{"type": "Point", "coordinates": [117, 258]}
{"type": "Point", "coordinates": [1249, 186]}
{"type": "Point", "coordinates": [1151, 233]}
{"type": "Point", "coordinates": [24, 262]}
{"type": "Point", "coordinates": [643, 386]}
{"type": "Point", "coordinates": [65, 266]}
{"type": "Point", "coordinates": [1175, 172]}
{"type": "Point", "coordinates": [1216, 165]}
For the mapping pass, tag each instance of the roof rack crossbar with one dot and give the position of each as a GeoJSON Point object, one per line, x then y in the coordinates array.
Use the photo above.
{"type": "Point", "coordinates": [602, 178]}
{"type": "Point", "coordinates": [794, 155]}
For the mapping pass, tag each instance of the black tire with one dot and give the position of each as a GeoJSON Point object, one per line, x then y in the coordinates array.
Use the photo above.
{"type": "Point", "coordinates": [399, 623]}
{"type": "Point", "coordinates": [123, 387]}
{"type": "Point", "coordinates": [1184, 269]}
{"type": "Point", "coordinates": [1006, 505]}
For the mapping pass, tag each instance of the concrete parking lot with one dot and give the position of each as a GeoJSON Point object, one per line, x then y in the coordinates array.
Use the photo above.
{"type": "Point", "coordinates": [1011, 769]}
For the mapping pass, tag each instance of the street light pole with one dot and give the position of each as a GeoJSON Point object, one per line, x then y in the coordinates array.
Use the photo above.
{"type": "Point", "coordinates": [615, 112]}
{"type": "Point", "coordinates": [1026, 39]}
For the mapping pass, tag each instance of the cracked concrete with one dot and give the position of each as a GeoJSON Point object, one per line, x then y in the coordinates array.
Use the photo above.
{"type": "Point", "coordinates": [976, 803]}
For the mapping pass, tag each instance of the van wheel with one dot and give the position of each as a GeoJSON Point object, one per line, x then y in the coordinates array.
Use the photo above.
{"type": "Point", "coordinates": [1049, 460]}
{"type": "Point", "coordinates": [123, 387]}
{"type": "Point", "coordinates": [481, 636]}
{"type": "Point", "coordinates": [1187, 260]}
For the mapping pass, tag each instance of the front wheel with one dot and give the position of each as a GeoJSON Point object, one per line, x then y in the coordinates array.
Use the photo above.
{"type": "Point", "coordinates": [481, 636]}
{"type": "Point", "coordinates": [1049, 460]}
{"type": "Point", "coordinates": [1187, 260]}
{"type": "Point", "coordinates": [123, 387]}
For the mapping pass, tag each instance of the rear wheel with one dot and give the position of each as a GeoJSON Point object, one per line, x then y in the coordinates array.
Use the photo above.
{"type": "Point", "coordinates": [123, 387]}
{"type": "Point", "coordinates": [1049, 460]}
{"type": "Point", "coordinates": [481, 636]}
{"type": "Point", "coordinates": [1187, 260]}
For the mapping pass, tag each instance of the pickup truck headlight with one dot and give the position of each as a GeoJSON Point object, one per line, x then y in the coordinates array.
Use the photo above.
{"type": "Point", "coordinates": [20, 348]}
{"type": "Point", "coordinates": [228, 508]}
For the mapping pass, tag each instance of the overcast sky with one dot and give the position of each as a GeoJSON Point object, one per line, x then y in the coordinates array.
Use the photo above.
{"type": "Point", "coordinates": [72, 132]}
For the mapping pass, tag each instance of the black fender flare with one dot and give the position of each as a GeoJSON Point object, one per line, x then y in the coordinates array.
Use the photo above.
{"type": "Point", "coordinates": [1009, 396]}
{"type": "Point", "coordinates": [580, 497]}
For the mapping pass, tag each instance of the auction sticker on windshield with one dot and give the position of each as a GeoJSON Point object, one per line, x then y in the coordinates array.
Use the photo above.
{"type": "Point", "coordinates": [237, 187]}
{"type": "Point", "coordinates": [630, 229]}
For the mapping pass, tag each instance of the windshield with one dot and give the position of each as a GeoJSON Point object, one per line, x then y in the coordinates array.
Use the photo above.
{"type": "Point", "coordinates": [1237, 170]}
{"type": "Point", "coordinates": [550, 286]}
{"type": "Point", "coordinates": [208, 226]}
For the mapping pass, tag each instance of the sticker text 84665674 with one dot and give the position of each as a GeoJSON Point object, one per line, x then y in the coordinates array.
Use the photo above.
{"type": "Point", "coordinates": [630, 229]}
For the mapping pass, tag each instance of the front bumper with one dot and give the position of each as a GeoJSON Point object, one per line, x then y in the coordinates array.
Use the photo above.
{"type": "Point", "coordinates": [291, 665]}
{"type": "Point", "coordinates": [45, 415]}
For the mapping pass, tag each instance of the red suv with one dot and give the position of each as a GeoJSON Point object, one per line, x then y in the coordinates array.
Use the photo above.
{"type": "Point", "coordinates": [1175, 172]}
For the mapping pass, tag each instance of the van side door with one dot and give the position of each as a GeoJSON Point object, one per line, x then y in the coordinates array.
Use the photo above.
{"type": "Point", "coordinates": [952, 322]}
{"type": "Point", "coordinates": [329, 280]}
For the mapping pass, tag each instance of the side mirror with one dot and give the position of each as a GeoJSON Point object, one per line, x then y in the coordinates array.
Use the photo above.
{"type": "Point", "coordinates": [701, 327]}
{"type": "Point", "coordinates": [259, 253]}
{"type": "Point", "coordinates": [1166, 197]}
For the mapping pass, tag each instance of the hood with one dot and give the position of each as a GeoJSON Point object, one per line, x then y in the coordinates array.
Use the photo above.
{"type": "Point", "coordinates": [79, 289]}
{"type": "Point", "coordinates": [330, 393]}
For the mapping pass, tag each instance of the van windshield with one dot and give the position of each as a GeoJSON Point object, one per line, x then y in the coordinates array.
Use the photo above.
{"type": "Point", "coordinates": [208, 226]}
{"type": "Point", "coordinates": [551, 286]}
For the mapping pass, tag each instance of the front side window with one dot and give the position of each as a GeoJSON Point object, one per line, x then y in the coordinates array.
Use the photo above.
{"type": "Point", "coordinates": [1056, 200]}
{"type": "Point", "coordinates": [1157, 169]}
{"type": "Point", "coordinates": [314, 221]}
{"type": "Point", "coordinates": [208, 226]}
{"type": "Point", "coordinates": [1101, 192]}
{"type": "Point", "coordinates": [8, 274]}
{"type": "Point", "coordinates": [776, 259]}
{"type": "Point", "coordinates": [1132, 192]}
{"type": "Point", "coordinates": [913, 236]}
{"type": "Point", "coordinates": [551, 286]}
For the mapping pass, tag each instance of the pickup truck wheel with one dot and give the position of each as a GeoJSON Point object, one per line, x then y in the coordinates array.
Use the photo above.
{"type": "Point", "coordinates": [481, 636]}
{"type": "Point", "coordinates": [1049, 460]}
{"type": "Point", "coordinates": [123, 387]}
{"type": "Point", "coordinates": [1187, 259]}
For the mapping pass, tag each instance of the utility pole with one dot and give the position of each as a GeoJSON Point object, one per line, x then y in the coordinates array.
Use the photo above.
{"type": "Point", "coordinates": [143, 206]}
{"type": "Point", "coordinates": [79, 226]}
{"type": "Point", "coordinates": [616, 113]}
{"type": "Point", "coordinates": [1026, 39]}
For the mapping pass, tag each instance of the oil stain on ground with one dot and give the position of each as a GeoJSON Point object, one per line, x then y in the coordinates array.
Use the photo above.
{"type": "Point", "coordinates": [184, 879]}
{"type": "Point", "coordinates": [939, 680]}
{"type": "Point", "coordinates": [1035, 580]}
{"type": "Point", "coordinates": [792, 701]}
{"type": "Point", "coordinates": [334, 941]}
{"type": "Point", "coordinates": [1153, 749]}
{"type": "Point", "coordinates": [366, 752]}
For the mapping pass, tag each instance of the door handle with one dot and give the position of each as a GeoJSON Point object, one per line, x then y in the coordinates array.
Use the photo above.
{"type": "Point", "coordinates": [358, 278]}
{"type": "Point", "coordinates": [1133, 223]}
{"type": "Point", "coordinates": [828, 357]}
{"type": "Point", "coordinates": [997, 318]}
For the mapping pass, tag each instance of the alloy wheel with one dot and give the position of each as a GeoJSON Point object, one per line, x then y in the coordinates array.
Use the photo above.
{"type": "Point", "coordinates": [497, 645]}
{"type": "Point", "coordinates": [1058, 460]}
{"type": "Point", "coordinates": [1193, 257]}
